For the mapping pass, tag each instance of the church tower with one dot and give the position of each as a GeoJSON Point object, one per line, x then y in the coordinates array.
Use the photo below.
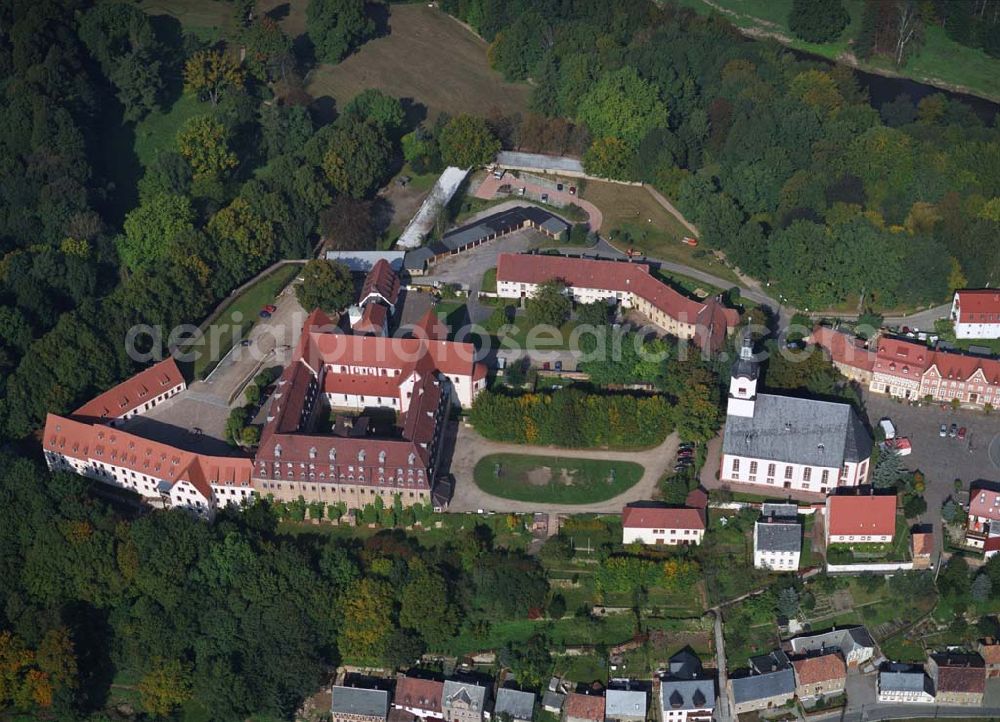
{"type": "Point", "coordinates": [743, 384]}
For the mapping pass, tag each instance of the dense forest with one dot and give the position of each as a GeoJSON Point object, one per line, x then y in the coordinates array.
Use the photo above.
{"type": "Point", "coordinates": [226, 619]}
{"type": "Point", "coordinates": [782, 162]}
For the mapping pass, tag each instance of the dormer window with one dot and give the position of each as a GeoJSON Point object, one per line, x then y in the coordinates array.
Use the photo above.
{"type": "Point", "coordinates": [361, 455]}
{"type": "Point", "coordinates": [381, 457]}
{"type": "Point", "coordinates": [312, 452]}
{"type": "Point", "coordinates": [277, 451]}
{"type": "Point", "coordinates": [411, 458]}
{"type": "Point", "coordinates": [333, 454]}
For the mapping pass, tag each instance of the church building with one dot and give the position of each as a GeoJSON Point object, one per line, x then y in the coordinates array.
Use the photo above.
{"type": "Point", "coordinates": [785, 442]}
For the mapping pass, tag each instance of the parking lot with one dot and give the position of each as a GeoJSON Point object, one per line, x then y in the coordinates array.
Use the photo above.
{"type": "Point", "coordinates": [942, 460]}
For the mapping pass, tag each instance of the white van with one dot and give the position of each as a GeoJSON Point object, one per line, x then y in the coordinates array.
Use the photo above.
{"type": "Point", "coordinates": [887, 428]}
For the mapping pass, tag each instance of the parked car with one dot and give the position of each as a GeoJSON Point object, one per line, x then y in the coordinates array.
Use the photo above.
{"type": "Point", "coordinates": [545, 197]}
{"type": "Point", "coordinates": [953, 431]}
{"type": "Point", "coordinates": [961, 433]}
{"type": "Point", "coordinates": [943, 431]}
{"type": "Point", "coordinates": [545, 366]}
{"type": "Point", "coordinates": [246, 342]}
{"type": "Point", "coordinates": [265, 314]}
{"type": "Point", "coordinates": [270, 308]}
{"type": "Point", "coordinates": [559, 186]}
{"type": "Point", "coordinates": [888, 429]}
{"type": "Point", "coordinates": [572, 190]}
{"type": "Point", "coordinates": [689, 241]}
{"type": "Point", "coordinates": [558, 365]}
{"type": "Point", "coordinates": [686, 445]}
{"type": "Point", "coordinates": [520, 191]}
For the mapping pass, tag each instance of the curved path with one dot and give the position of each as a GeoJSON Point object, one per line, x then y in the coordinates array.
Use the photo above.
{"type": "Point", "coordinates": [487, 190]}
{"type": "Point", "coordinates": [470, 447]}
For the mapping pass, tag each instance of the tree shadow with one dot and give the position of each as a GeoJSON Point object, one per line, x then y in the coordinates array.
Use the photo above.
{"type": "Point", "coordinates": [415, 112]}
{"type": "Point", "coordinates": [323, 110]}
{"type": "Point", "coordinates": [381, 214]}
{"type": "Point", "coordinates": [92, 640]}
{"type": "Point", "coordinates": [379, 14]}
{"type": "Point", "coordinates": [279, 12]}
{"type": "Point", "coordinates": [304, 50]}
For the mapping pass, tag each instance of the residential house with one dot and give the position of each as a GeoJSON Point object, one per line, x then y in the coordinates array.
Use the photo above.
{"type": "Point", "coordinates": [553, 701]}
{"type": "Point", "coordinates": [625, 705]}
{"type": "Point", "coordinates": [976, 314]}
{"type": "Point", "coordinates": [625, 283]}
{"type": "Point", "coordinates": [684, 665]}
{"type": "Point", "coordinates": [769, 683]}
{"type": "Point", "coordinates": [519, 706]}
{"type": "Point", "coordinates": [583, 708]}
{"type": "Point", "coordinates": [854, 644]}
{"type": "Point", "coordinates": [860, 519]}
{"type": "Point", "coordinates": [821, 675]}
{"type": "Point", "coordinates": [785, 442]}
{"type": "Point", "coordinates": [922, 549]}
{"type": "Point", "coordinates": [960, 679]}
{"type": "Point", "coordinates": [419, 697]}
{"type": "Point", "coordinates": [984, 513]}
{"type": "Point", "coordinates": [354, 704]}
{"type": "Point", "coordinates": [658, 525]}
{"type": "Point", "coordinates": [777, 543]}
{"type": "Point", "coordinates": [687, 700]}
{"type": "Point", "coordinates": [463, 701]}
{"type": "Point", "coordinates": [989, 650]}
{"type": "Point", "coordinates": [908, 370]}
{"type": "Point", "coordinates": [848, 354]}
{"type": "Point", "coordinates": [905, 684]}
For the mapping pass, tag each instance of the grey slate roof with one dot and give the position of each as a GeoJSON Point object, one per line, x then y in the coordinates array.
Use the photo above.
{"type": "Point", "coordinates": [684, 665]}
{"type": "Point", "coordinates": [538, 161]}
{"type": "Point", "coordinates": [466, 692]}
{"type": "Point", "coordinates": [362, 261]}
{"type": "Point", "coordinates": [914, 681]}
{"type": "Point", "coordinates": [519, 705]}
{"type": "Point", "coordinates": [846, 640]}
{"type": "Point", "coordinates": [777, 536]}
{"type": "Point", "coordinates": [779, 510]}
{"type": "Point", "coordinates": [355, 700]}
{"type": "Point", "coordinates": [687, 694]}
{"type": "Point", "coordinates": [801, 431]}
{"type": "Point", "coordinates": [624, 703]}
{"type": "Point", "coordinates": [763, 686]}
{"type": "Point", "coordinates": [553, 700]}
{"type": "Point", "coordinates": [772, 662]}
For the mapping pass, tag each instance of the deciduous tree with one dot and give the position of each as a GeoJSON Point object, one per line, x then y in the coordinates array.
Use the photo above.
{"type": "Point", "coordinates": [336, 27]}
{"type": "Point", "coordinates": [326, 285]}
{"type": "Point", "coordinates": [204, 141]}
{"type": "Point", "coordinates": [466, 141]}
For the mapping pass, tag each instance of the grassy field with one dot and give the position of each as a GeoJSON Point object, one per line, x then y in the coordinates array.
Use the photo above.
{"type": "Point", "coordinates": [427, 57]}
{"type": "Point", "coordinates": [206, 19]}
{"type": "Point", "coordinates": [158, 130]}
{"type": "Point", "coordinates": [248, 304]}
{"type": "Point", "coordinates": [650, 228]}
{"type": "Point", "coordinates": [940, 60]}
{"type": "Point", "coordinates": [554, 480]}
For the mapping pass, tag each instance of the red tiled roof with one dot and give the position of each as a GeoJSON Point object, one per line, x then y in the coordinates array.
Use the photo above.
{"type": "Point", "coordinates": [990, 653]}
{"type": "Point", "coordinates": [843, 348]}
{"type": "Point", "coordinates": [423, 694]}
{"type": "Point", "coordinates": [823, 668]}
{"type": "Point", "coordinates": [106, 444]}
{"type": "Point", "coordinates": [584, 706]}
{"type": "Point", "coordinates": [697, 498]}
{"type": "Point", "coordinates": [923, 543]}
{"type": "Point", "coordinates": [372, 319]}
{"type": "Point", "coordinates": [992, 544]}
{"type": "Point", "coordinates": [639, 517]}
{"type": "Point", "coordinates": [430, 326]}
{"type": "Point", "coordinates": [133, 392]}
{"type": "Point", "coordinates": [978, 306]}
{"type": "Point", "coordinates": [613, 277]}
{"type": "Point", "coordinates": [381, 280]}
{"type": "Point", "coordinates": [902, 358]}
{"type": "Point", "coordinates": [985, 503]}
{"type": "Point", "coordinates": [961, 679]}
{"type": "Point", "coordinates": [861, 515]}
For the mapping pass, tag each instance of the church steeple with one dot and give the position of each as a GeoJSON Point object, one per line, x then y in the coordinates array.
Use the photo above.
{"type": "Point", "coordinates": [743, 384]}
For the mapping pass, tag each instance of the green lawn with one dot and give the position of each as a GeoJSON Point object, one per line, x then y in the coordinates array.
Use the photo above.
{"type": "Point", "coordinates": [940, 58]}
{"type": "Point", "coordinates": [208, 20]}
{"type": "Point", "coordinates": [489, 283]}
{"type": "Point", "coordinates": [158, 130]}
{"type": "Point", "coordinates": [554, 480]}
{"type": "Point", "coordinates": [247, 304]}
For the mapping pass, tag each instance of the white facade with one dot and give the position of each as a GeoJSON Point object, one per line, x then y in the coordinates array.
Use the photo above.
{"type": "Point", "coordinates": [800, 477]}
{"type": "Point", "coordinates": [907, 696]}
{"type": "Point", "coordinates": [139, 410]}
{"type": "Point", "coordinates": [669, 537]}
{"type": "Point", "coordinates": [984, 329]}
{"type": "Point", "coordinates": [858, 538]}
{"type": "Point", "coordinates": [776, 561]}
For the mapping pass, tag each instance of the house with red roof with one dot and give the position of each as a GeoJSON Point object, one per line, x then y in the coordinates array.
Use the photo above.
{"type": "Point", "coordinates": [661, 525]}
{"type": "Point", "coordinates": [983, 520]}
{"type": "Point", "coordinates": [626, 283]}
{"type": "Point", "coordinates": [908, 370]}
{"type": "Point", "coordinates": [821, 675]}
{"type": "Point", "coordinates": [420, 697]}
{"type": "Point", "coordinates": [356, 462]}
{"type": "Point", "coordinates": [860, 519]}
{"type": "Point", "coordinates": [136, 395]}
{"type": "Point", "coordinates": [976, 314]}
{"type": "Point", "coordinates": [162, 474]}
{"type": "Point", "coordinates": [583, 708]}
